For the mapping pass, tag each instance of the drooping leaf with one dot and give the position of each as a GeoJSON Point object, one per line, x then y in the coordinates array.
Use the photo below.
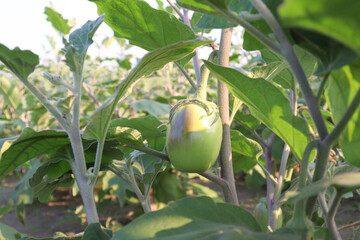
{"type": "Point", "coordinates": [268, 104]}
{"type": "Point", "coordinates": [152, 61]}
{"type": "Point", "coordinates": [20, 62]}
{"type": "Point", "coordinates": [116, 184]}
{"type": "Point", "coordinates": [342, 87]}
{"type": "Point", "coordinates": [325, 17]}
{"type": "Point", "coordinates": [78, 44]}
{"type": "Point", "coordinates": [57, 21]}
{"type": "Point", "coordinates": [143, 25]}
{"type": "Point", "coordinates": [190, 218]}
{"type": "Point", "coordinates": [29, 145]}
{"type": "Point", "coordinates": [167, 188]}
{"type": "Point", "coordinates": [348, 181]}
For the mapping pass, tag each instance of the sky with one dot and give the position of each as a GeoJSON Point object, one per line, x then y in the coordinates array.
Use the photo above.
{"type": "Point", "coordinates": [23, 24]}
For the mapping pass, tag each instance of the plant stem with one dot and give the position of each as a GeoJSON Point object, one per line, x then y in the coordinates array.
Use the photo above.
{"type": "Point", "coordinates": [202, 87]}
{"type": "Point", "coordinates": [148, 151]}
{"type": "Point", "coordinates": [196, 57]}
{"type": "Point", "coordinates": [51, 108]}
{"type": "Point", "coordinates": [80, 172]}
{"type": "Point", "coordinates": [227, 171]}
{"type": "Point", "coordinates": [99, 152]}
{"type": "Point", "coordinates": [330, 218]}
{"type": "Point", "coordinates": [177, 10]}
{"type": "Point", "coordinates": [270, 184]}
{"type": "Point", "coordinates": [192, 83]}
{"type": "Point", "coordinates": [144, 203]}
{"type": "Point", "coordinates": [321, 88]}
{"type": "Point", "coordinates": [219, 181]}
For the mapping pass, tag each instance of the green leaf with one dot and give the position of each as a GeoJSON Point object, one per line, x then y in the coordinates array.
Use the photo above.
{"type": "Point", "coordinates": [152, 61]}
{"type": "Point", "coordinates": [142, 25]}
{"type": "Point", "coordinates": [330, 54]}
{"type": "Point", "coordinates": [43, 191]}
{"type": "Point", "coordinates": [342, 87]}
{"type": "Point", "coordinates": [116, 184]}
{"type": "Point", "coordinates": [268, 104]}
{"type": "Point", "coordinates": [150, 128]}
{"type": "Point", "coordinates": [79, 41]}
{"type": "Point", "coordinates": [125, 135]}
{"type": "Point", "coordinates": [210, 21]}
{"type": "Point", "coordinates": [20, 62]}
{"type": "Point", "coordinates": [152, 107]}
{"type": "Point", "coordinates": [347, 182]}
{"type": "Point", "coordinates": [167, 188]}
{"type": "Point", "coordinates": [57, 21]}
{"type": "Point", "coordinates": [5, 210]}
{"type": "Point", "coordinates": [325, 17]}
{"type": "Point", "coordinates": [94, 232]}
{"type": "Point", "coordinates": [10, 93]}
{"type": "Point", "coordinates": [280, 72]}
{"type": "Point", "coordinates": [205, 6]}
{"type": "Point", "coordinates": [190, 218]}
{"type": "Point", "coordinates": [8, 233]}
{"type": "Point", "coordinates": [29, 145]}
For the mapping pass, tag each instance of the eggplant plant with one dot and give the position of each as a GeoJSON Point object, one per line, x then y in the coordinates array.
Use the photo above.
{"type": "Point", "coordinates": [286, 115]}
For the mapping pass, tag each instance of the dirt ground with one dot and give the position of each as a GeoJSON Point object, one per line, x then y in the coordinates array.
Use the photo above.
{"type": "Point", "coordinates": [45, 219]}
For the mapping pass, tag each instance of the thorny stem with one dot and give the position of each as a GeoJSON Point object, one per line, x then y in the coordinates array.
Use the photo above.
{"type": "Point", "coordinates": [227, 171]}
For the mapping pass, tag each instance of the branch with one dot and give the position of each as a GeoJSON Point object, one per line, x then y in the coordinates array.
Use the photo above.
{"type": "Point", "coordinates": [187, 76]}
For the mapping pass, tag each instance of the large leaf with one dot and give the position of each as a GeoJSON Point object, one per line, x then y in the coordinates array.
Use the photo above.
{"type": "Point", "coordinates": [337, 19]}
{"type": "Point", "coordinates": [268, 104]}
{"type": "Point", "coordinates": [29, 145]}
{"type": "Point", "coordinates": [152, 61]}
{"type": "Point", "coordinates": [345, 182]}
{"type": "Point", "coordinates": [142, 25]}
{"type": "Point", "coordinates": [190, 218]}
{"type": "Point", "coordinates": [342, 87]}
{"type": "Point", "coordinates": [152, 107]}
{"type": "Point", "coordinates": [79, 41]}
{"type": "Point", "coordinates": [20, 62]}
{"type": "Point", "coordinates": [57, 21]}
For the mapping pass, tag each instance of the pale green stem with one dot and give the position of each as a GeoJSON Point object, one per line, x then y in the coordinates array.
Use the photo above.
{"type": "Point", "coordinates": [202, 86]}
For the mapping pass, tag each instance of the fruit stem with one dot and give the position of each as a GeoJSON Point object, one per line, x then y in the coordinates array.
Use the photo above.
{"type": "Point", "coordinates": [202, 86]}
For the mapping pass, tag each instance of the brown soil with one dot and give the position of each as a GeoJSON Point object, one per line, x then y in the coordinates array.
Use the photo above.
{"type": "Point", "coordinates": [45, 219]}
